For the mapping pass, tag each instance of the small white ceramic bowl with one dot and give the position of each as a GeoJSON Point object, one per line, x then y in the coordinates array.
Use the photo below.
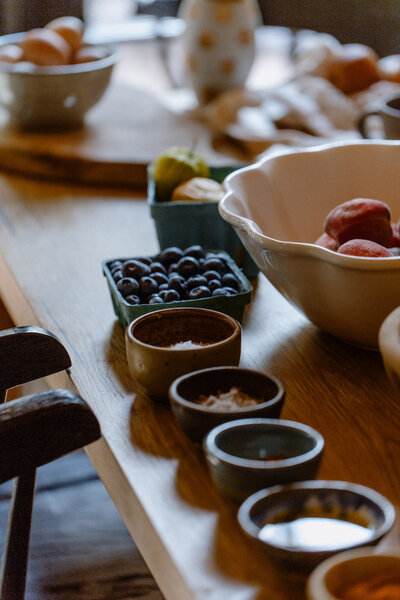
{"type": "Point", "coordinates": [56, 97]}
{"type": "Point", "coordinates": [389, 346]}
{"type": "Point", "coordinates": [278, 207]}
{"type": "Point", "coordinates": [331, 578]}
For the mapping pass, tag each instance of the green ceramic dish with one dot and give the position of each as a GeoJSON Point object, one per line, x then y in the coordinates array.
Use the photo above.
{"type": "Point", "coordinates": [233, 306]}
{"type": "Point", "coordinates": [185, 223]}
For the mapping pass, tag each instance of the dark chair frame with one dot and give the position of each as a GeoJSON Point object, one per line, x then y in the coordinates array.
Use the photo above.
{"type": "Point", "coordinates": [34, 430]}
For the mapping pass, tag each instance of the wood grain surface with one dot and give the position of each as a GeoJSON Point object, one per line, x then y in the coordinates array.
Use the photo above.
{"type": "Point", "coordinates": [121, 136]}
{"type": "Point", "coordinates": [52, 241]}
{"type": "Point", "coordinates": [80, 548]}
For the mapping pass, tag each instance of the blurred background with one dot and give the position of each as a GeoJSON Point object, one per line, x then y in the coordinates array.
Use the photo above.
{"type": "Point", "coordinates": [372, 22]}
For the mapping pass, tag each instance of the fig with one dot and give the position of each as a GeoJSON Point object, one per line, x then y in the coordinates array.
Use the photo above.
{"type": "Point", "coordinates": [174, 166]}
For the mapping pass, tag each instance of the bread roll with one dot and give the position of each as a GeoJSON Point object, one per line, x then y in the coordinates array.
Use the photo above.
{"type": "Point", "coordinates": [198, 189]}
{"type": "Point", "coordinates": [355, 68]}
{"type": "Point", "coordinates": [70, 28]}
{"type": "Point", "coordinates": [389, 68]}
{"type": "Point", "coordinates": [45, 47]}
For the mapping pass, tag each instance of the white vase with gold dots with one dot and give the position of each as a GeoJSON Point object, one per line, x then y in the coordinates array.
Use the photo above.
{"type": "Point", "coordinates": [218, 44]}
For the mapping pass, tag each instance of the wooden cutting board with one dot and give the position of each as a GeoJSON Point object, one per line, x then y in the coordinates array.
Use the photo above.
{"type": "Point", "coordinates": [122, 135]}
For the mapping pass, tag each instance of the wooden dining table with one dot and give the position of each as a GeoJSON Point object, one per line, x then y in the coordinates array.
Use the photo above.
{"type": "Point", "coordinates": [54, 236]}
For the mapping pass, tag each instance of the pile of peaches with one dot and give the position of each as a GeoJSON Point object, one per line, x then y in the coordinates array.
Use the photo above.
{"type": "Point", "coordinates": [361, 227]}
{"type": "Point", "coordinates": [58, 43]}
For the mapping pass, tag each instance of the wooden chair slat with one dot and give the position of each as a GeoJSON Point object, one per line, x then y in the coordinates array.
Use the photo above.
{"type": "Point", "coordinates": [29, 353]}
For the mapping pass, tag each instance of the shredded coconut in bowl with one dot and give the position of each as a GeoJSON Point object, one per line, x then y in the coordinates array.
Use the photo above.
{"type": "Point", "coordinates": [231, 400]}
{"type": "Point", "coordinates": [187, 345]}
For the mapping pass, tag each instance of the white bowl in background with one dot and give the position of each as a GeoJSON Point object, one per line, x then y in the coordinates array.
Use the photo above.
{"type": "Point", "coordinates": [278, 207]}
{"type": "Point", "coordinates": [52, 97]}
{"type": "Point", "coordinates": [389, 346]}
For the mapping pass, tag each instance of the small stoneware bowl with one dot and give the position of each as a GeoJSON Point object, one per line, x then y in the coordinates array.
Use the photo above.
{"type": "Point", "coordinates": [164, 344]}
{"type": "Point", "coordinates": [364, 570]}
{"type": "Point", "coordinates": [204, 399]}
{"type": "Point", "coordinates": [303, 523]}
{"type": "Point", "coordinates": [248, 455]}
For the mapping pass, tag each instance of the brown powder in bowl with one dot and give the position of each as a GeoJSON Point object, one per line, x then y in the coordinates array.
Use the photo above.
{"type": "Point", "coordinates": [231, 400]}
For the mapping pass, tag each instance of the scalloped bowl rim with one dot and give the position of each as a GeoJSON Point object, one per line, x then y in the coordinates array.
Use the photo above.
{"type": "Point", "coordinates": [303, 248]}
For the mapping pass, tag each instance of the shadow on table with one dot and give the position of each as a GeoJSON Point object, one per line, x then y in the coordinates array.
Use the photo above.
{"type": "Point", "coordinates": [251, 566]}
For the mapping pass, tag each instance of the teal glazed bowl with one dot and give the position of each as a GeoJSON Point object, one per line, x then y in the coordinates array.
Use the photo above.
{"type": "Point", "coordinates": [185, 223]}
{"type": "Point", "coordinates": [216, 383]}
{"type": "Point", "coordinates": [301, 524]}
{"type": "Point", "coordinates": [247, 455]}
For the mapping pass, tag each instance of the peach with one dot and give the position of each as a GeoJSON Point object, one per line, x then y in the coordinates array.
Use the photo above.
{"type": "Point", "coordinates": [360, 218]}
{"type": "Point", "coordinates": [395, 241]}
{"type": "Point", "coordinates": [326, 241]}
{"type": "Point", "coordinates": [361, 247]}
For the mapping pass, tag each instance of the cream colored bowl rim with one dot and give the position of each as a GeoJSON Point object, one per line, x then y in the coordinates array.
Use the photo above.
{"type": "Point", "coordinates": [304, 248]}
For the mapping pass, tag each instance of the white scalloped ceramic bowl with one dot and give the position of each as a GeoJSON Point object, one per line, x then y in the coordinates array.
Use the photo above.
{"type": "Point", "coordinates": [278, 207]}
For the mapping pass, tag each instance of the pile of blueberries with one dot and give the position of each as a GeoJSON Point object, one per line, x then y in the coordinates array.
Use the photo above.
{"type": "Point", "coordinates": [174, 275]}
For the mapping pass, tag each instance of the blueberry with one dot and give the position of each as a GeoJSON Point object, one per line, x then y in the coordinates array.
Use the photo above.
{"type": "Point", "coordinates": [201, 291]}
{"type": "Point", "coordinates": [195, 281]}
{"type": "Point", "coordinates": [170, 255]}
{"type": "Point", "coordinates": [217, 255]}
{"type": "Point", "coordinates": [115, 266]}
{"type": "Point", "coordinates": [117, 275]}
{"type": "Point", "coordinates": [159, 277]}
{"type": "Point", "coordinates": [170, 295]}
{"type": "Point", "coordinates": [147, 285]}
{"type": "Point", "coordinates": [157, 267]}
{"type": "Point", "coordinates": [156, 300]}
{"type": "Point", "coordinates": [214, 284]}
{"type": "Point", "coordinates": [195, 251]}
{"type": "Point", "coordinates": [133, 299]}
{"type": "Point", "coordinates": [212, 275]}
{"type": "Point", "coordinates": [213, 264]}
{"type": "Point", "coordinates": [145, 259]}
{"type": "Point", "coordinates": [188, 266]}
{"type": "Point", "coordinates": [178, 283]}
{"type": "Point", "coordinates": [224, 291]}
{"type": "Point", "coordinates": [128, 286]}
{"type": "Point", "coordinates": [135, 268]}
{"type": "Point", "coordinates": [229, 280]}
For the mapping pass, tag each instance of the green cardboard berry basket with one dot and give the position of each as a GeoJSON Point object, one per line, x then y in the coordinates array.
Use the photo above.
{"type": "Point", "coordinates": [231, 305]}
{"type": "Point", "coordinates": [183, 224]}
